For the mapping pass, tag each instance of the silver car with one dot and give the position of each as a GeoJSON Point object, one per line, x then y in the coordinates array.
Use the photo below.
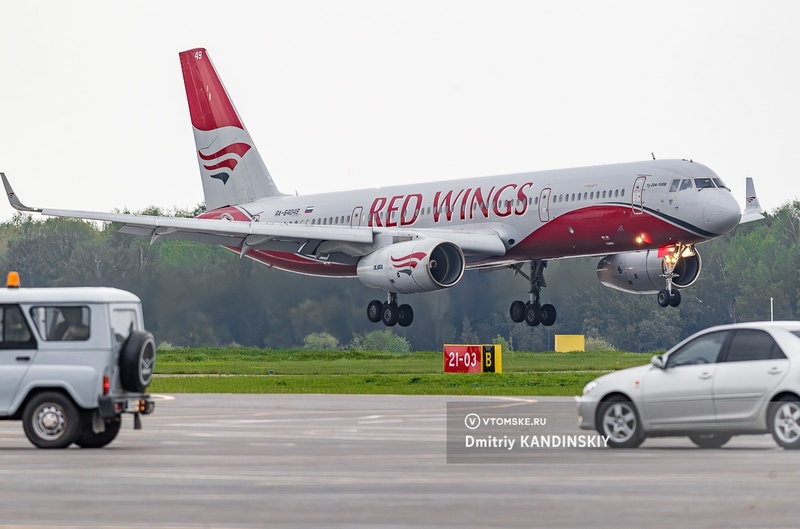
{"type": "Point", "coordinates": [724, 381]}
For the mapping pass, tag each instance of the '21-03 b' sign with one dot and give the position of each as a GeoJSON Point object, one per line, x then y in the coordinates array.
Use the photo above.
{"type": "Point", "coordinates": [473, 358]}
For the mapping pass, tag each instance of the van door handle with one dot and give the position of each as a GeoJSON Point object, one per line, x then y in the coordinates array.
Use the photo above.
{"type": "Point", "coordinates": [775, 371]}
{"type": "Point", "coordinates": [705, 376]}
{"type": "Point", "coordinates": [24, 358]}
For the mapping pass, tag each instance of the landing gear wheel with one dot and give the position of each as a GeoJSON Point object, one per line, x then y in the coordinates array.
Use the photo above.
{"type": "Point", "coordinates": [517, 311]}
{"type": "Point", "coordinates": [533, 314]}
{"type": "Point", "coordinates": [783, 418]}
{"type": "Point", "coordinates": [663, 298]}
{"type": "Point", "coordinates": [710, 440]}
{"type": "Point", "coordinates": [548, 315]}
{"type": "Point", "coordinates": [389, 314]}
{"type": "Point", "coordinates": [51, 420]}
{"type": "Point", "coordinates": [374, 310]}
{"type": "Point", "coordinates": [405, 315]}
{"type": "Point", "coordinates": [675, 299]}
{"type": "Point", "coordinates": [618, 419]}
{"type": "Point", "coordinates": [89, 439]}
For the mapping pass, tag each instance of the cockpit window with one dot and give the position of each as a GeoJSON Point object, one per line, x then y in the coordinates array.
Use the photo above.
{"type": "Point", "coordinates": [720, 183]}
{"type": "Point", "coordinates": [703, 183]}
{"type": "Point", "coordinates": [675, 184]}
{"type": "Point", "coordinates": [686, 184]}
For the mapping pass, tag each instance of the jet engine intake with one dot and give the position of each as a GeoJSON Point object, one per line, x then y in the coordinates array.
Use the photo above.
{"type": "Point", "coordinates": [643, 272]}
{"type": "Point", "coordinates": [408, 267]}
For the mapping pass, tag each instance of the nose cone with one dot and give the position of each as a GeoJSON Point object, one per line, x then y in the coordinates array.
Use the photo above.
{"type": "Point", "coordinates": [721, 213]}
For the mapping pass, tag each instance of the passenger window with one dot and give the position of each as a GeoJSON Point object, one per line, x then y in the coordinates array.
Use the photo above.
{"type": "Point", "coordinates": [686, 184]}
{"type": "Point", "coordinates": [702, 350]}
{"type": "Point", "coordinates": [15, 333]}
{"type": "Point", "coordinates": [674, 186]}
{"type": "Point", "coordinates": [60, 324]}
{"type": "Point", "coordinates": [752, 344]}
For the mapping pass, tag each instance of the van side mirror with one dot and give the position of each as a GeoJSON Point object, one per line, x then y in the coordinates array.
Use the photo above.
{"type": "Point", "coordinates": [658, 361]}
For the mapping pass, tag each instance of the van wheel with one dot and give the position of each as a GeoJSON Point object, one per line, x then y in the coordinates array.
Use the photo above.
{"type": "Point", "coordinates": [137, 361]}
{"type": "Point", "coordinates": [51, 420]}
{"type": "Point", "coordinates": [89, 439]}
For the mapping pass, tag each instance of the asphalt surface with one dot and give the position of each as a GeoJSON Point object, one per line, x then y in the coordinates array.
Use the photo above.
{"type": "Point", "coordinates": [342, 461]}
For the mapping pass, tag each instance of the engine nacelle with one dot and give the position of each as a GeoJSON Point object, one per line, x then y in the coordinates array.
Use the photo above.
{"type": "Point", "coordinates": [640, 272]}
{"type": "Point", "coordinates": [413, 266]}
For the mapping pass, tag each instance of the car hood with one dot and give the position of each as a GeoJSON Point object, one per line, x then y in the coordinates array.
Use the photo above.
{"type": "Point", "coordinates": [625, 377]}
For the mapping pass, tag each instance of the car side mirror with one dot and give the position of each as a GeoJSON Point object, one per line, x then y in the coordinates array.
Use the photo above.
{"type": "Point", "coordinates": [658, 361]}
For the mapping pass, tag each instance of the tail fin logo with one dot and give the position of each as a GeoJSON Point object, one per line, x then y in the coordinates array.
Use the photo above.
{"type": "Point", "coordinates": [407, 263]}
{"type": "Point", "coordinates": [224, 160]}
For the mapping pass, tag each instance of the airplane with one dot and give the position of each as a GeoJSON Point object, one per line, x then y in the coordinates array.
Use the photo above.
{"type": "Point", "coordinates": [644, 218]}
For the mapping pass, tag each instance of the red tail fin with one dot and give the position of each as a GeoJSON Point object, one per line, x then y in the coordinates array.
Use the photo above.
{"type": "Point", "coordinates": [231, 168]}
{"type": "Point", "coordinates": [209, 104]}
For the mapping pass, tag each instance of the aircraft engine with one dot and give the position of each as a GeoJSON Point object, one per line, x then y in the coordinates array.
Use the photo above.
{"type": "Point", "coordinates": [641, 272]}
{"type": "Point", "coordinates": [407, 267]}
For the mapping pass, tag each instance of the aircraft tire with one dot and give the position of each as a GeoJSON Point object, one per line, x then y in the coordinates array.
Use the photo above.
{"type": "Point", "coordinates": [533, 314]}
{"type": "Point", "coordinates": [663, 298]}
{"type": "Point", "coordinates": [374, 310]}
{"type": "Point", "coordinates": [405, 315]}
{"type": "Point", "coordinates": [517, 311]}
{"type": "Point", "coordinates": [549, 314]}
{"type": "Point", "coordinates": [389, 314]}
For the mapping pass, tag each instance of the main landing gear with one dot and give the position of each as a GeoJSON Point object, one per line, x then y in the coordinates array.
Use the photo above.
{"type": "Point", "coordinates": [669, 296]}
{"type": "Point", "coordinates": [389, 312]}
{"type": "Point", "coordinates": [532, 312]}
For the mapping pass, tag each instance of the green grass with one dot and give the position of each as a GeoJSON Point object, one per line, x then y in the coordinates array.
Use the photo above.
{"type": "Point", "coordinates": [245, 370]}
{"type": "Point", "coordinates": [441, 384]}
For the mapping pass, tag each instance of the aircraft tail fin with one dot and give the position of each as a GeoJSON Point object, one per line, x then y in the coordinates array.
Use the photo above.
{"type": "Point", "coordinates": [752, 209]}
{"type": "Point", "coordinates": [231, 168]}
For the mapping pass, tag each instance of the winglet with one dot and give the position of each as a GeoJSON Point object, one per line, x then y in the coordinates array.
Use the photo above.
{"type": "Point", "coordinates": [752, 209]}
{"type": "Point", "coordinates": [13, 199]}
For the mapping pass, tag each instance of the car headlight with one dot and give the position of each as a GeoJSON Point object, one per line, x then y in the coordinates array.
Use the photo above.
{"type": "Point", "coordinates": [588, 388]}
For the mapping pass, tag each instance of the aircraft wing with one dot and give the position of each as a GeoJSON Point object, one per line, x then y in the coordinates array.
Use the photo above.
{"type": "Point", "coordinates": [355, 241]}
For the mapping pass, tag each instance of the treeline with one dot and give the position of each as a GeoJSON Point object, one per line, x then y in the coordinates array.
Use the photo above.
{"type": "Point", "coordinates": [202, 295]}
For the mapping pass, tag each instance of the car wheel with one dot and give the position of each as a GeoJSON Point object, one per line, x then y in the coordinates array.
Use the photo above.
{"type": "Point", "coordinates": [137, 361]}
{"type": "Point", "coordinates": [51, 420]}
{"type": "Point", "coordinates": [784, 422]}
{"type": "Point", "coordinates": [710, 440]}
{"type": "Point", "coordinates": [89, 439]}
{"type": "Point", "coordinates": [619, 421]}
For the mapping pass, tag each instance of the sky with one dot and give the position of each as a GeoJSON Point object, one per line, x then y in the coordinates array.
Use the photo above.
{"type": "Point", "coordinates": [350, 94]}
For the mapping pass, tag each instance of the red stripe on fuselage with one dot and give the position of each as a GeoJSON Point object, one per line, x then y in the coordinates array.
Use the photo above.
{"type": "Point", "coordinates": [298, 264]}
{"type": "Point", "coordinates": [598, 230]}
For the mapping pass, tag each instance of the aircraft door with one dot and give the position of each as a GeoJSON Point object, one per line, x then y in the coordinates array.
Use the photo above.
{"type": "Point", "coordinates": [544, 205]}
{"type": "Point", "coordinates": [637, 196]}
{"type": "Point", "coordinates": [355, 218]}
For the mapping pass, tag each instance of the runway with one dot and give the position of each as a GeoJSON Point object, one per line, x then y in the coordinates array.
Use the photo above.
{"type": "Point", "coordinates": [369, 461]}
